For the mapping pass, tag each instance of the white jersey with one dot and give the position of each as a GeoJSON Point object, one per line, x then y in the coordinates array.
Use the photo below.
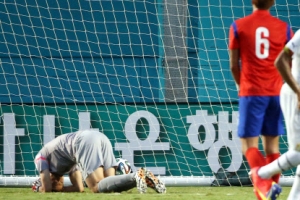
{"type": "Point", "coordinates": [294, 45]}
{"type": "Point", "coordinates": [288, 98]}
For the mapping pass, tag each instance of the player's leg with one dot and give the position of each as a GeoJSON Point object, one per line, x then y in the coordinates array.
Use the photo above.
{"type": "Point", "coordinates": [256, 159]}
{"type": "Point", "coordinates": [294, 193]}
{"type": "Point", "coordinates": [251, 114]}
{"type": "Point", "coordinates": [251, 151]}
{"type": "Point", "coordinates": [294, 142]}
{"type": "Point", "coordinates": [273, 127]}
{"type": "Point", "coordinates": [271, 148]}
{"type": "Point", "coordinates": [124, 182]}
{"type": "Point", "coordinates": [285, 162]}
{"type": "Point", "coordinates": [94, 156]}
{"type": "Point", "coordinates": [141, 179]}
{"type": "Point", "coordinates": [98, 161]}
{"type": "Point", "coordinates": [251, 119]}
{"type": "Point", "coordinates": [92, 179]}
{"type": "Point", "coordinates": [270, 158]}
{"type": "Point", "coordinates": [118, 183]}
{"type": "Point", "coordinates": [98, 183]}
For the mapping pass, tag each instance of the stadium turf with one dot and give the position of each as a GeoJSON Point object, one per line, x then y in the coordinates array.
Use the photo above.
{"type": "Point", "coordinates": [173, 193]}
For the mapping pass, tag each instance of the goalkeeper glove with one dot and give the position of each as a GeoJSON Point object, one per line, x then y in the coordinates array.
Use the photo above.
{"type": "Point", "coordinates": [36, 185]}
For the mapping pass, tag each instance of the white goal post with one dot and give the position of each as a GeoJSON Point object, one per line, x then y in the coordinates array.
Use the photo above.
{"type": "Point", "coordinates": [178, 181]}
{"type": "Point", "coordinates": [153, 75]}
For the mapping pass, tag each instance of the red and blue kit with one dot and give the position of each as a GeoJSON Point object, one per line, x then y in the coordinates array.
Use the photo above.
{"type": "Point", "coordinates": [259, 37]}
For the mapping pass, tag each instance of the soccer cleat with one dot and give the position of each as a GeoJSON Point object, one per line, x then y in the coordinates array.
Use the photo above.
{"type": "Point", "coordinates": [140, 178]}
{"type": "Point", "coordinates": [265, 189]}
{"type": "Point", "coordinates": [255, 192]}
{"type": "Point", "coordinates": [274, 192]}
{"type": "Point", "coordinates": [154, 182]}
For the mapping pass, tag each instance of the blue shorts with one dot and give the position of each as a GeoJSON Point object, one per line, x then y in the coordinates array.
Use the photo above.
{"type": "Point", "coordinates": [260, 115]}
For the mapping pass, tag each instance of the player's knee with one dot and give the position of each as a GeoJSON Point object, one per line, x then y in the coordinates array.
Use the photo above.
{"type": "Point", "coordinates": [78, 188]}
{"type": "Point", "coordinates": [94, 189]}
{"type": "Point", "coordinates": [81, 189]}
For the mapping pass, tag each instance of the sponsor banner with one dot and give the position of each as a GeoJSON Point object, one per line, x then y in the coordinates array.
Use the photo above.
{"type": "Point", "coordinates": [170, 140]}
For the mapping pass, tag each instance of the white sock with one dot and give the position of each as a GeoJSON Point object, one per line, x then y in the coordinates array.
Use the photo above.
{"type": "Point", "coordinates": [295, 191]}
{"type": "Point", "coordinates": [286, 161]}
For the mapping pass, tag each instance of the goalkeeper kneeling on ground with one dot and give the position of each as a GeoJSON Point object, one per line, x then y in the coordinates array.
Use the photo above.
{"type": "Point", "coordinates": [87, 155]}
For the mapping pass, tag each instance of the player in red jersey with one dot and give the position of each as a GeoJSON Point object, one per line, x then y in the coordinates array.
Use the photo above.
{"type": "Point", "coordinates": [254, 43]}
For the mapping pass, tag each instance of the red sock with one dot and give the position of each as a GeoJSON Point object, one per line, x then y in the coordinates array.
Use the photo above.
{"type": "Point", "coordinates": [255, 158]}
{"type": "Point", "coordinates": [270, 158]}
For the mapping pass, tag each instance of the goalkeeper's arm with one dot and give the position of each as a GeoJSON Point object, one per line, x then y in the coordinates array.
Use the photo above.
{"type": "Point", "coordinates": [43, 184]}
{"type": "Point", "coordinates": [77, 183]}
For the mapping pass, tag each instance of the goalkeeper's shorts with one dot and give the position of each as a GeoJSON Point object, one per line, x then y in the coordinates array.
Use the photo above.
{"type": "Point", "coordinates": [93, 150]}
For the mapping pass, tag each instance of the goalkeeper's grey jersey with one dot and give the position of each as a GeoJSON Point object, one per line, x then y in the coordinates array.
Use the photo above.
{"type": "Point", "coordinates": [86, 150]}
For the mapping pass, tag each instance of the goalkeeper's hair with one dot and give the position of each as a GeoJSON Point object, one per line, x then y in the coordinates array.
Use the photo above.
{"type": "Point", "coordinates": [263, 4]}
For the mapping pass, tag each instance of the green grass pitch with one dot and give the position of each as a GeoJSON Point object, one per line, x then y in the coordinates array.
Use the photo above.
{"type": "Point", "coordinates": [173, 193]}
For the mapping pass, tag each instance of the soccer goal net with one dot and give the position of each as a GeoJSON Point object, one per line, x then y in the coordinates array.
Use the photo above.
{"type": "Point", "coordinates": [152, 75]}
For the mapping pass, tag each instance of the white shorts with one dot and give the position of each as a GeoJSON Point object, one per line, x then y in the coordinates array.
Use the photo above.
{"type": "Point", "coordinates": [291, 113]}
